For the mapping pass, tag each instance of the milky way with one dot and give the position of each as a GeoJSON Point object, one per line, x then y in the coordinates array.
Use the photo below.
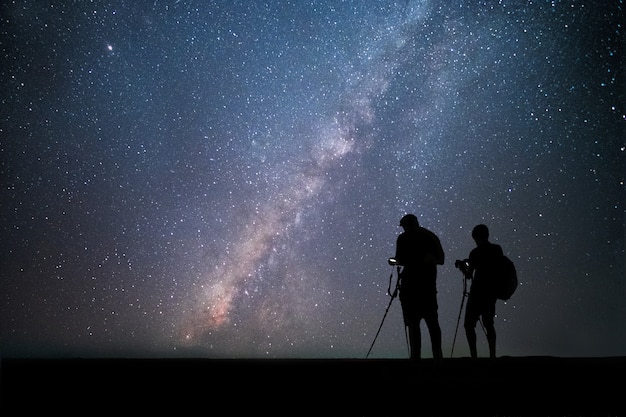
{"type": "Point", "coordinates": [332, 141]}
{"type": "Point", "coordinates": [226, 180]}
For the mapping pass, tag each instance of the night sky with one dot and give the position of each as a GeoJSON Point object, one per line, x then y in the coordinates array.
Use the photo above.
{"type": "Point", "coordinates": [224, 179]}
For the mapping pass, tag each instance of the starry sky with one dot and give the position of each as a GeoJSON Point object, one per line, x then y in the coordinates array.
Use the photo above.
{"type": "Point", "coordinates": [224, 179]}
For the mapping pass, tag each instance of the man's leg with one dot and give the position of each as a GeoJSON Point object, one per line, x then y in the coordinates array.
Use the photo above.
{"type": "Point", "coordinates": [415, 341]}
{"type": "Point", "coordinates": [435, 335]}
{"type": "Point", "coordinates": [471, 317]}
{"type": "Point", "coordinates": [491, 334]}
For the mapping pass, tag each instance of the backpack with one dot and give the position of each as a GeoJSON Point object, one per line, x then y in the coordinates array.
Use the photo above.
{"type": "Point", "coordinates": [506, 282]}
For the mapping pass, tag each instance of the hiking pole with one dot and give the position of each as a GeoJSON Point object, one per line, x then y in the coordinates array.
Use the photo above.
{"type": "Point", "coordinates": [392, 295]}
{"type": "Point", "coordinates": [462, 302]}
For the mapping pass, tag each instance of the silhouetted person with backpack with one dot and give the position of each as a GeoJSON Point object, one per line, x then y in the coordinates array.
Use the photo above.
{"type": "Point", "coordinates": [419, 252]}
{"type": "Point", "coordinates": [481, 303]}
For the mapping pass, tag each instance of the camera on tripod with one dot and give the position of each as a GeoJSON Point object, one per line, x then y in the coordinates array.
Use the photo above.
{"type": "Point", "coordinates": [463, 265]}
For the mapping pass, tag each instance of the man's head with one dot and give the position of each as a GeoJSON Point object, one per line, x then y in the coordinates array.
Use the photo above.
{"type": "Point", "coordinates": [409, 221]}
{"type": "Point", "coordinates": [480, 233]}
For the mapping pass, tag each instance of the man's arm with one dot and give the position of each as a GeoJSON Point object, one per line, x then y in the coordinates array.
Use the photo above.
{"type": "Point", "coordinates": [441, 257]}
{"type": "Point", "coordinates": [437, 255]}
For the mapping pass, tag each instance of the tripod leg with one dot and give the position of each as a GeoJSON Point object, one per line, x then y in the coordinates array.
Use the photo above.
{"type": "Point", "coordinates": [457, 323]}
{"type": "Point", "coordinates": [407, 336]}
{"type": "Point", "coordinates": [380, 327]}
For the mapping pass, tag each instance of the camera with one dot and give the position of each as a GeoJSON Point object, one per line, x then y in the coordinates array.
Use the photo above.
{"type": "Point", "coordinates": [392, 261]}
{"type": "Point", "coordinates": [463, 265]}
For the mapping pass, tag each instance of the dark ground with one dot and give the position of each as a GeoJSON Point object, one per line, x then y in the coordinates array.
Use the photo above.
{"type": "Point", "coordinates": [508, 386]}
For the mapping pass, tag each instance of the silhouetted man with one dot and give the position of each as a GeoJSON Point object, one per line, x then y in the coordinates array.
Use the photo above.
{"type": "Point", "coordinates": [419, 252]}
{"type": "Point", "coordinates": [481, 302]}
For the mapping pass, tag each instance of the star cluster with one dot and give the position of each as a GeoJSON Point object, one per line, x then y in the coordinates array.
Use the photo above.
{"type": "Point", "coordinates": [225, 179]}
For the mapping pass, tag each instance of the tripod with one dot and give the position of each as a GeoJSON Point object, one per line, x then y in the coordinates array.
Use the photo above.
{"type": "Point", "coordinates": [465, 294]}
{"type": "Point", "coordinates": [393, 295]}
